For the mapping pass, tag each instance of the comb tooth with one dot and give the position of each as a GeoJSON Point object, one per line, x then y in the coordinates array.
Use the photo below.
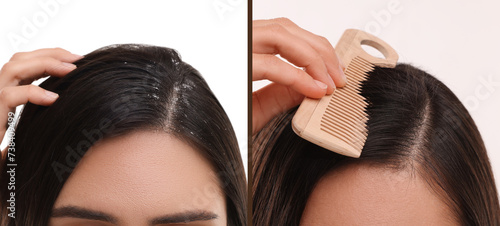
{"type": "Point", "coordinates": [346, 121]}
{"type": "Point", "coordinates": [360, 138]}
{"type": "Point", "coordinates": [357, 66]}
{"type": "Point", "coordinates": [356, 144]}
{"type": "Point", "coordinates": [362, 61]}
{"type": "Point", "coordinates": [355, 62]}
{"type": "Point", "coordinates": [356, 88]}
{"type": "Point", "coordinates": [337, 111]}
{"type": "Point", "coordinates": [335, 125]}
{"type": "Point", "coordinates": [335, 132]}
{"type": "Point", "coordinates": [352, 94]}
{"type": "Point", "coordinates": [354, 74]}
{"type": "Point", "coordinates": [341, 124]}
{"type": "Point", "coordinates": [340, 111]}
{"type": "Point", "coordinates": [352, 91]}
{"type": "Point", "coordinates": [338, 129]}
{"type": "Point", "coordinates": [365, 68]}
{"type": "Point", "coordinates": [345, 116]}
{"type": "Point", "coordinates": [357, 76]}
{"type": "Point", "coordinates": [359, 143]}
{"type": "Point", "coordinates": [359, 59]}
{"type": "Point", "coordinates": [362, 66]}
{"type": "Point", "coordinates": [347, 106]}
{"type": "Point", "coordinates": [351, 101]}
{"type": "Point", "coordinates": [357, 79]}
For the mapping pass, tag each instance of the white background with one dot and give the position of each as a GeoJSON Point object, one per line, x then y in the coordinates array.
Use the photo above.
{"type": "Point", "coordinates": [456, 41]}
{"type": "Point", "coordinates": [211, 39]}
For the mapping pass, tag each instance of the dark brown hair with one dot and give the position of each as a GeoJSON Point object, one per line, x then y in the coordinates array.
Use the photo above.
{"type": "Point", "coordinates": [415, 123]}
{"type": "Point", "coordinates": [116, 90]}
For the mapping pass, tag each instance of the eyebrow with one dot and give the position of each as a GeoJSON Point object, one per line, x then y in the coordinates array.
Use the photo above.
{"type": "Point", "coordinates": [82, 213]}
{"type": "Point", "coordinates": [183, 217]}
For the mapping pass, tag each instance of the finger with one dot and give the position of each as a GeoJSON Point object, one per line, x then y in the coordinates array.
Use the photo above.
{"type": "Point", "coordinates": [333, 64]}
{"type": "Point", "coordinates": [56, 53]}
{"type": "Point", "coordinates": [270, 67]}
{"type": "Point", "coordinates": [13, 72]}
{"type": "Point", "coordinates": [11, 97]}
{"type": "Point", "coordinates": [270, 101]}
{"type": "Point", "coordinates": [275, 39]}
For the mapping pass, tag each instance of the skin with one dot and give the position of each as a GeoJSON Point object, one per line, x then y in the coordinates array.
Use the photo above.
{"type": "Point", "coordinates": [137, 178]}
{"type": "Point", "coordinates": [22, 69]}
{"type": "Point", "coordinates": [155, 180]}
{"type": "Point", "coordinates": [362, 194]}
{"type": "Point", "coordinates": [319, 69]}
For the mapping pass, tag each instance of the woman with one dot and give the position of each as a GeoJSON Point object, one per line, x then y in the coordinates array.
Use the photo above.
{"type": "Point", "coordinates": [424, 162]}
{"type": "Point", "coordinates": [132, 135]}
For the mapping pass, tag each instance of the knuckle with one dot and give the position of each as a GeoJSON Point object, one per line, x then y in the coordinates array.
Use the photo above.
{"type": "Point", "coordinates": [283, 21]}
{"type": "Point", "coordinates": [59, 50]}
{"type": "Point", "coordinates": [5, 94]}
{"type": "Point", "coordinates": [317, 60]}
{"type": "Point", "coordinates": [314, 60]}
{"type": "Point", "coordinates": [18, 55]}
{"type": "Point", "coordinates": [271, 62]}
{"type": "Point", "coordinates": [324, 40]}
{"type": "Point", "coordinates": [9, 71]}
{"type": "Point", "coordinates": [296, 76]}
{"type": "Point", "coordinates": [7, 67]}
{"type": "Point", "coordinates": [30, 89]}
{"type": "Point", "coordinates": [276, 29]}
{"type": "Point", "coordinates": [41, 61]}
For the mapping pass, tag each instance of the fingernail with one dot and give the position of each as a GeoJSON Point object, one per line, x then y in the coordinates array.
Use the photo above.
{"type": "Point", "coordinates": [342, 74]}
{"type": "Point", "coordinates": [332, 83]}
{"type": "Point", "coordinates": [68, 65]}
{"type": "Point", "coordinates": [320, 84]}
{"type": "Point", "coordinates": [342, 65]}
{"type": "Point", "coordinates": [77, 56]}
{"type": "Point", "coordinates": [51, 95]}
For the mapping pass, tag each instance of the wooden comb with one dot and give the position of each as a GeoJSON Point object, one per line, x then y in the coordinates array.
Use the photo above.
{"type": "Point", "coordinates": [337, 122]}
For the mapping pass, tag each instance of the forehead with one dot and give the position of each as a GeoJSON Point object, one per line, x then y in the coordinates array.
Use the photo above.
{"type": "Point", "coordinates": [362, 194]}
{"type": "Point", "coordinates": [143, 174]}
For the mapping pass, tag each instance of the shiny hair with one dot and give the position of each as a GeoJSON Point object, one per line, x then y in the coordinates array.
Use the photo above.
{"type": "Point", "coordinates": [415, 124]}
{"type": "Point", "coordinates": [117, 90]}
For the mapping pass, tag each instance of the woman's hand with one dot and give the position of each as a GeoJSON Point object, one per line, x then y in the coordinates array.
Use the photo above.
{"type": "Point", "coordinates": [321, 74]}
{"type": "Point", "coordinates": [17, 75]}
